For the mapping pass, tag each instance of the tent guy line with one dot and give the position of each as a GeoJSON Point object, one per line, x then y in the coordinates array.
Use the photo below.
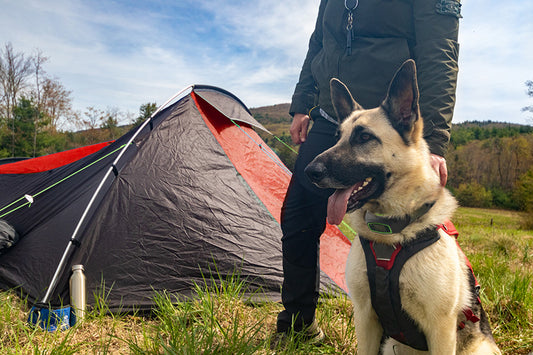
{"type": "Point", "coordinates": [271, 156]}
{"type": "Point", "coordinates": [29, 202]}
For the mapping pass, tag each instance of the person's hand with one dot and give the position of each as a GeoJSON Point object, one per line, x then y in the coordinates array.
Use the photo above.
{"type": "Point", "coordinates": [438, 164]}
{"type": "Point", "coordinates": [299, 126]}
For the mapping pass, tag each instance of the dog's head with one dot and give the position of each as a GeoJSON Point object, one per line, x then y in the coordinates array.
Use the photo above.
{"type": "Point", "coordinates": [381, 151]}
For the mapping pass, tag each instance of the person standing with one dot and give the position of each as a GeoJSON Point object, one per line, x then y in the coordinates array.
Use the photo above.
{"type": "Point", "coordinates": [362, 43]}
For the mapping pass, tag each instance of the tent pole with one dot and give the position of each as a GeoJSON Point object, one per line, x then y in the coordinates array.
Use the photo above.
{"type": "Point", "coordinates": [55, 278]}
{"type": "Point", "coordinates": [72, 242]}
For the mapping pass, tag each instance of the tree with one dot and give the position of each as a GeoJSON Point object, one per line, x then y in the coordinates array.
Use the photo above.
{"type": "Point", "coordinates": [24, 121]}
{"type": "Point", "coordinates": [56, 103]}
{"type": "Point", "coordinates": [15, 70]}
{"type": "Point", "coordinates": [145, 112]}
{"type": "Point", "coordinates": [529, 85]}
{"type": "Point", "coordinates": [38, 61]}
{"type": "Point", "coordinates": [93, 119]}
{"type": "Point", "coordinates": [523, 195]}
{"type": "Point", "coordinates": [523, 191]}
{"type": "Point", "coordinates": [110, 122]}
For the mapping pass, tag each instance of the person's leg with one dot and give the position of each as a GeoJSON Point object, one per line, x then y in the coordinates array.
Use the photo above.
{"type": "Point", "coordinates": [303, 220]}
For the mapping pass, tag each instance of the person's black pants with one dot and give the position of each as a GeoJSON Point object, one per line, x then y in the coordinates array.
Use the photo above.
{"type": "Point", "coordinates": [303, 220]}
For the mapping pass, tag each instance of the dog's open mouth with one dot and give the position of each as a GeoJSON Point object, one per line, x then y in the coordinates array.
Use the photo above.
{"type": "Point", "coordinates": [352, 198]}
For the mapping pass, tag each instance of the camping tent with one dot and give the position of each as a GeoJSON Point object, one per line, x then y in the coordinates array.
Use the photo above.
{"type": "Point", "coordinates": [192, 192]}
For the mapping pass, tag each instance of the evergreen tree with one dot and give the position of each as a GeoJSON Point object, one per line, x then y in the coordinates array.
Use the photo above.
{"type": "Point", "coordinates": [529, 85]}
{"type": "Point", "coordinates": [145, 112]}
{"type": "Point", "coordinates": [24, 127]}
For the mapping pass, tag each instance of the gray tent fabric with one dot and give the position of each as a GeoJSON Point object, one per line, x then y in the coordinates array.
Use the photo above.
{"type": "Point", "coordinates": [176, 212]}
{"type": "Point", "coordinates": [236, 112]}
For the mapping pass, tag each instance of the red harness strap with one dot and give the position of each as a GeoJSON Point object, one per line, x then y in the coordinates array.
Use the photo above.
{"type": "Point", "coordinates": [450, 229]}
{"type": "Point", "coordinates": [470, 316]}
{"type": "Point", "coordinates": [388, 262]}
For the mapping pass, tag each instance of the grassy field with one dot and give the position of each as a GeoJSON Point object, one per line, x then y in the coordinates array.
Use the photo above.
{"type": "Point", "coordinates": [221, 321]}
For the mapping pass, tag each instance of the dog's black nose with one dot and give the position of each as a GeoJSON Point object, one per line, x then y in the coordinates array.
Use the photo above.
{"type": "Point", "coordinates": [316, 171]}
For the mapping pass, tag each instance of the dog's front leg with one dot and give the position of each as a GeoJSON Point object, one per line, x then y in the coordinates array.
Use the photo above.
{"type": "Point", "coordinates": [442, 339]}
{"type": "Point", "coordinates": [368, 330]}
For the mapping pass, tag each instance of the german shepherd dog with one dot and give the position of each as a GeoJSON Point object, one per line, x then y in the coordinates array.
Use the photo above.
{"type": "Point", "coordinates": [381, 171]}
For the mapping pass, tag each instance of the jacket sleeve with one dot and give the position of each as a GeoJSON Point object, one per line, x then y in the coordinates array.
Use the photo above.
{"type": "Point", "coordinates": [436, 54]}
{"type": "Point", "coordinates": [306, 90]}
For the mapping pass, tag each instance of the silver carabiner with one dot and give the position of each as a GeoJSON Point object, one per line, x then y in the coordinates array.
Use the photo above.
{"type": "Point", "coordinates": [351, 5]}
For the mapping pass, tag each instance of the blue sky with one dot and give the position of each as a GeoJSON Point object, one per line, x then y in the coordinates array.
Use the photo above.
{"type": "Point", "coordinates": [118, 53]}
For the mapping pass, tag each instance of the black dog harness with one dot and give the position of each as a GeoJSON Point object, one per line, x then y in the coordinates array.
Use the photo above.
{"type": "Point", "coordinates": [384, 264]}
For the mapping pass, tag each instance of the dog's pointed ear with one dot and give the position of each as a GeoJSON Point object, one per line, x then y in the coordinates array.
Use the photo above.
{"type": "Point", "coordinates": [401, 102]}
{"type": "Point", "coordinates": [342, 100]}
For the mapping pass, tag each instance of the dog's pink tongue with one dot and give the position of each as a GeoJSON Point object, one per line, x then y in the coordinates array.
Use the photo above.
{"type": "Point", "coordinates": [337, 204]}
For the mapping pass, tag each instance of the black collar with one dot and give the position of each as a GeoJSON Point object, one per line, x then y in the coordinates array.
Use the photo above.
{"type": "Point", "coordinates": [392, 225]}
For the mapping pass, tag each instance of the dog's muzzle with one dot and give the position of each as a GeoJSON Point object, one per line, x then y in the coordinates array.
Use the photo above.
{"type": "Point", "coordinates": [316, 172]}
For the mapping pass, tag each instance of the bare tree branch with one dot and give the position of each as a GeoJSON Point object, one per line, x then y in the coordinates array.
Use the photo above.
{"type": "Point", "coordinates": [15, 69]}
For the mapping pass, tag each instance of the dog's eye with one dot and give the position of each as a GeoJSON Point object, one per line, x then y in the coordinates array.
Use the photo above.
{"type": "Point", "coordinates": [361, 137]}
{"type": "Point", "coordinates": [365, 137]}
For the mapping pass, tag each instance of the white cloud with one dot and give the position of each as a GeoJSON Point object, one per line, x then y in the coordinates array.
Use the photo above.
{"type": "Point", "coordinates": [268, 24]}
{"type": "Point", "coordinates": [495, 56]}
{"type": "Point", "coordinates": [113, 54]}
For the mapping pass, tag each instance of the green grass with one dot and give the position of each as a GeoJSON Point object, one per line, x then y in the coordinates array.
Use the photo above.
{"type": "Point", "coordinates": [222, 320]}
{"type": "Point", "coordinates": [502, 258]}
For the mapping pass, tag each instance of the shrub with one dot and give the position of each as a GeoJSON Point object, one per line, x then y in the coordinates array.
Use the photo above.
{"type": "Point", "coordinates": [503, 199]}
{"type": "Point", "coordinates": [523, 191]}
{"type": "Point", "coordinates": [473, 195]}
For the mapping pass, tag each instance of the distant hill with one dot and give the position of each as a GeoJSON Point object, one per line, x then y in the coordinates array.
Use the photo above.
{"type": "Point", "coordinates": [491, 124]}
{"type": "Point", "coordinates": [276, 118]}
{"type": "Point", "coordinates": [465, 132]}
{"type": "Point", "coordinates": [272, 114]}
